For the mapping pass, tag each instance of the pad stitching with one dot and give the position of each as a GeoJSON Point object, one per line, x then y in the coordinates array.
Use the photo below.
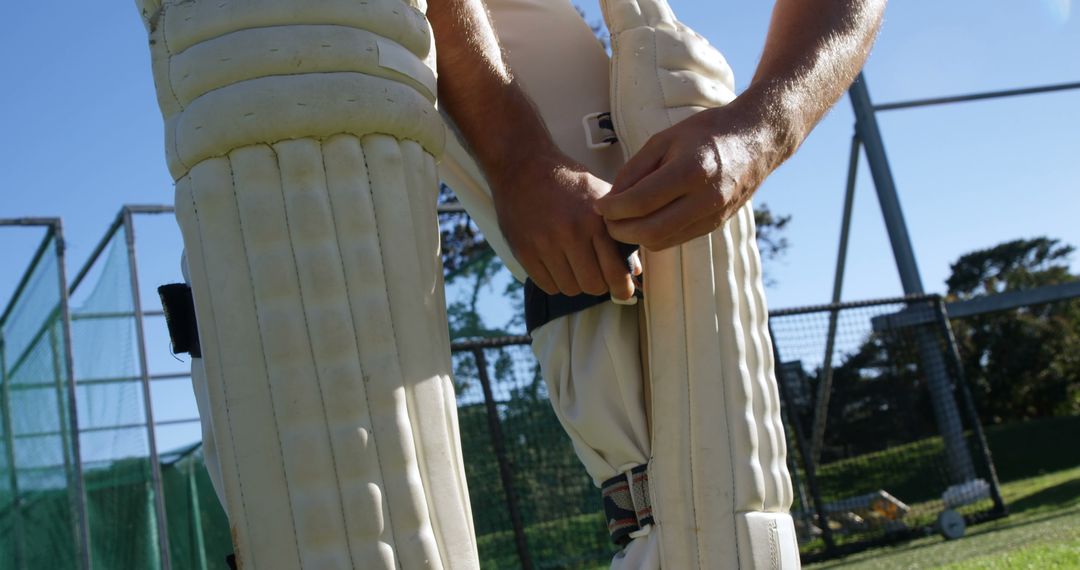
{"type": "Point", "coordinates": [311, 345]}
{"type": "Point", "coordinates": [224, 385]}
{"type": "Point", "coordinates": [690, 400]}
{"type": "Point", "coordinates": [168, 57]}
{"type": "Point", "coordinates": [686, 331]}
{"type": "Point", "coordinates": [168, 82]}
{"type": "Point", "coordinates": [659, 82]}
{"type": "Point", "coordinates": [401, 40]}
{"type": "Point", "coordinates": [348, 303]}
{"type": "Point", "coordinates": [225, 154]}
{"type": "Point", "coordinates": [418, 442]}
{"type": "Point", "coordinates": [408, 81]}
{"type": "Point", "coordinates": [266, 363]}
{"type": "Point", "coordinates": [397, 356]}
{"type": "Point", "coordinates": [727, 421]}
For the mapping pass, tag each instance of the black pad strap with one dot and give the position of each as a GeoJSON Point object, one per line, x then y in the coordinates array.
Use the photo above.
{"type": "Point", "coordinates": [179, 307]}
{"type": "Point", "coordinates": [541, 308]}
{"type": "Point", "coordinates": [627, 504]}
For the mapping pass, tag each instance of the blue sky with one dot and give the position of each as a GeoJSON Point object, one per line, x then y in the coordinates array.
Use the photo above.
{"type": "Point", "coordinates": [82, 136]}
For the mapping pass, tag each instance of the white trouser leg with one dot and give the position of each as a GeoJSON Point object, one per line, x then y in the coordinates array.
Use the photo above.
{"type": "Point", "coordinates": [302, 138]}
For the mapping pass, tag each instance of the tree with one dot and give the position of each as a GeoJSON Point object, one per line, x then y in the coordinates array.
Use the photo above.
{"type": "Point", "coordinates": [1025, 363]}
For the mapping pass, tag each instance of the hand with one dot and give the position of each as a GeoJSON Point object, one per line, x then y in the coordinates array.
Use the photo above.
{"type": "Point", "coordinates": [545, 210]}
{"type": "Point", "coordinates": [689, 179]}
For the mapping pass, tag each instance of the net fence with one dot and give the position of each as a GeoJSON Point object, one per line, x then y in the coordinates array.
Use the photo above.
{"type": "Point", "coordinates": [881, 424]}
{"type": "Point", "coordinates": [881, 421]}
{"type": "Point", "coordinates": [41, 509]}
{"type": "Point", "coordinates": [112, 414]}
{"type": "Point", "coordinates": [533, 503]}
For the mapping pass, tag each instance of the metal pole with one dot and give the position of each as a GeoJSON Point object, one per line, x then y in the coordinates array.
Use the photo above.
{"type": "Point", "coordinates": [73, 415]}
{"type": "Point", "coordinates": [969, 406]}
{"type": "Point", "coordinates": [976, 96]}
{"type": "Point", "coordinates": [945, 411]}
{"type": "Point", "coordinates": [65, 441]}
{"type": "Point", "coordinates": [9, 443]}
{"type": "Point", "coordinates": [866, 128]}
{"type": "Point", "coordinates": [505, 471]}
{"type": "Point", "coordinates": [804, 451]}
{"type": "Point", "coordinates": [155, 465]}
{"type": "Point", "coordinates": [821, 407]}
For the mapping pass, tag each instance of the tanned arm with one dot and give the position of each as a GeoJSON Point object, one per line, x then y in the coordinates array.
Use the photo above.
{"type": "Point", "coordinates": [687, 180]}
{"type": "Point", "coordinates": [542, 198]}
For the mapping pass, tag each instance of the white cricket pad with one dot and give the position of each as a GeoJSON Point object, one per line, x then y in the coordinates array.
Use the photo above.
{"type": "Point", "coordinates": [718, 473]}
{"type": "Point", "coordinates": [302, 136]}
{"type": "Point", "coordinates": [720, 486]}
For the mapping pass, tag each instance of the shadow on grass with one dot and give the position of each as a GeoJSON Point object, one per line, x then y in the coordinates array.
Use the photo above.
{"type": "Point", "coordinates": [1063, 495]}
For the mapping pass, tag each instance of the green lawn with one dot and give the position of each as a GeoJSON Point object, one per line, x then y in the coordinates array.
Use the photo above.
{"type": "Point", "coordinates": [1042, 531]}
{"type": "Point", "coordinates": [1038, 463]}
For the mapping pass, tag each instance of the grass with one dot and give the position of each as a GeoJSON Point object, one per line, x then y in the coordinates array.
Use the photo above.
{"type": "Point", "coordinates": [1042, 531]}
{"type": "Point", "coordinates": [1040, 483]}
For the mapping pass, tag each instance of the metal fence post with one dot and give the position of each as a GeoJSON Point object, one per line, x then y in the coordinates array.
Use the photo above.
{"type": "Point", "coordinates": [9, 443]}
{"type": "Point", "coordinates": [505, 470]}
{"type": "Point", "coordinates": [969, 405]}
{"type": "Point", "coordinates": [73, 414]}
{"type": "Point", "coordinates": [140, 338]}
{"type": "Point", "coordinates": [66, 437]}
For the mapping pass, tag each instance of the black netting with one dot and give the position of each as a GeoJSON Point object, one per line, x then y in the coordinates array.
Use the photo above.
{"type": "Point", "coordinates": [891, 438]}
{"type": "Point", "coordinates": [558, 510]}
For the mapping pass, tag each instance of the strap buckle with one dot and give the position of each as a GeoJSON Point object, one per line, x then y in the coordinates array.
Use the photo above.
{"type": "Point", "coordinates": [599, 130]}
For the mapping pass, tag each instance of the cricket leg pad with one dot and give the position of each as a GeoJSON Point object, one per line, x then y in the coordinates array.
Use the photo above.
{"type": "Point", "coordinates": [718, 472]}
{"type": "Point", "coordinates": [321, 354]}
{"type": "Point", "coordinates": [303, 137]}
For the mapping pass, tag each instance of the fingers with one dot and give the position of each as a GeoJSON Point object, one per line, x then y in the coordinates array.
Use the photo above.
{"type": "Point", "coordinates": [616, 273]}
{"type": "Point", "coordinates": [644, 162]}
{"type": "Point", "coordinates": [694, 230]}
{"type": "Point", "coordinates": [662, 225]}
{"type": "Point", "coordinates": [658, 189]}
{"type": "Point", "coordinates": [539, 275]}
{"type": "Point", "coordinates": [562, 273]}
{"type": "Point", "coordinates": [587, 270]}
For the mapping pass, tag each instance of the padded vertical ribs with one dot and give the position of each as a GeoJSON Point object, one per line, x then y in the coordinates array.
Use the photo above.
{"type": "Point", "coordinates": [302, 135]}
{"type": "Point", "coordinates": [720, 494]}
{"type": "Point", "coordinates": [327, 358]}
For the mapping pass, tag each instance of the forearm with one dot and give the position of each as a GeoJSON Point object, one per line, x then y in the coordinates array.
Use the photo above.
{"type": "Point", "coordinates": [478, 90]}
{"type": "Point", "coordinates": [813, 52]}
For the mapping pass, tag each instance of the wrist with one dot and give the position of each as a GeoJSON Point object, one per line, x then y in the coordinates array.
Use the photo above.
{"type": "Point", "coordinates": [771, 114]}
